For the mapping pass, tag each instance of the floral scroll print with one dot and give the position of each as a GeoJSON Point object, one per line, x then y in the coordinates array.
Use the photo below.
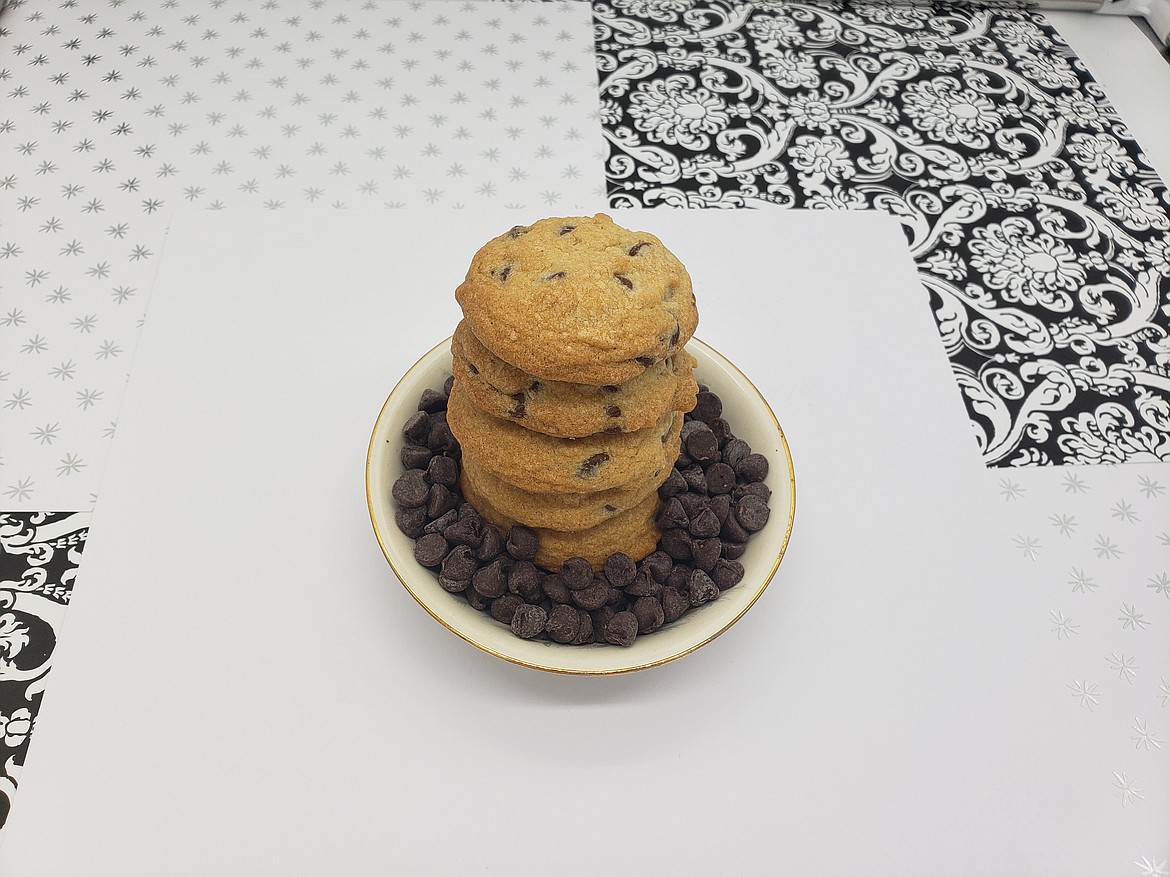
{"type": "Point", "coordinates": [1039, 229]}
{"type": "Point", "coordinates": [39, 555]}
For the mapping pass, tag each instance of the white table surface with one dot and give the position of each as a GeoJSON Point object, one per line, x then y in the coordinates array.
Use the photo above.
{"type": "Point", "coordinates": [259, 696]}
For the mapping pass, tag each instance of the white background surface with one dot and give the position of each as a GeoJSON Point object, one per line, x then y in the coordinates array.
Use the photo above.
{"type": "Point", "coordinates": [241, 686]}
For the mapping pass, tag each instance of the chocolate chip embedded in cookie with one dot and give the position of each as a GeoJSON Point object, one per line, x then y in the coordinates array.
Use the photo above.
{"type": "Point", "coordinates": [571, 410]}
{"type": "Point", "coordinates": [543, 463]}
{"type": "Point", "coordinates": [579, 299]}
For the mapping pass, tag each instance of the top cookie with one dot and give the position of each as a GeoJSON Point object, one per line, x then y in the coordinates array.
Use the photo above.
{"type": "Point", "coordinates": [579, 299]}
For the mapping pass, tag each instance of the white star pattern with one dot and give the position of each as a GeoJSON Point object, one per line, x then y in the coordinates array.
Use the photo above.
{"type": "Point", "coordinates": [1143, 737]}
{"type": "Point", "coordinates": [368, 108]}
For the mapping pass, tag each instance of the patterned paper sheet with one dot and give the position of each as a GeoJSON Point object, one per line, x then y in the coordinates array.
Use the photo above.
{"type": "Point", "coordinates": [113, 116]}
{"type": "Point", "coordinates": [1039, 229]}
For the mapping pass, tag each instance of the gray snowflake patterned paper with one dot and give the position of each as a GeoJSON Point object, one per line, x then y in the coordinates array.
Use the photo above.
{"type": "Point", "coordinates": [1094, 544]}
{"type": "Point", "coordinates": [112, 116]}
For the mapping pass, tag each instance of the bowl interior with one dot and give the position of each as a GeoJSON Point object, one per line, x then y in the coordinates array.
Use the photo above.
{"type": "Point", "coordinates": [751, 419]}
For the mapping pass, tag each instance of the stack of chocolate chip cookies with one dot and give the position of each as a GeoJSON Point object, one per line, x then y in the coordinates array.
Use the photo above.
{"type": "Point", "coordinates": [571, 382]}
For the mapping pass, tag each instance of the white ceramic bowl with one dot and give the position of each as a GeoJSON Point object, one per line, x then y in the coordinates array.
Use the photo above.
{"type": "Point", "coordinates": [751, 419]}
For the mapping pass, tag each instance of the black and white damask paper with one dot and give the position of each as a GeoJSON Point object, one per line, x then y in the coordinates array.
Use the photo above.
{"type": "Point", "coordinates": [39, 555]}
{"type": "Point", "coordinates": [1039, 229]}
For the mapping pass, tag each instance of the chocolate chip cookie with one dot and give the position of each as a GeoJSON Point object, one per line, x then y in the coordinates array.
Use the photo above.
{"type": "Point", "coordinates": [571, 410]}
{"type": "Point", "coordinates": [579, 299]}
{"type": "Point", "coordinates": [564, 512]}
{"type": "Point", "coordinates": [632, 532]}
{"type": "Point", "coordinates": [542, 463]}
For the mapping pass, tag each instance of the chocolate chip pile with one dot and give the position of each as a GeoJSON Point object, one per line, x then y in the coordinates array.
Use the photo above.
{"type": "Point", "coordinates": [713, 500]}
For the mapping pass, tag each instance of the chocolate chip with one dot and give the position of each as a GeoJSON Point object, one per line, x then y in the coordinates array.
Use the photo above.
{"type": "Point", "coordinates": [432, 401]}
{"type": "Point", "coordinates": [752, 513]}
{"type": "Point", "coordinates": [502, 273]}
{"type": "Point", "coordinates": [612, 411]}
{"type": "Point", "coordinates": [692, 503]}
{"type": "Point", "coordinates": [720, 478]}
{"type": "Point", "coordinates": [674, 604]}
{"type": "Point", "coordinates": [524, 579]}
{"type": "Point", "coordinates": [708, 406]}
{"type": "Point", "coordinates": [638, 247]}
{"type": "Point", "coordinates": [410, 489]}
{"type": "Point", "coordinates": [645, 361]}
{"type": "Point", "coordinates": [675, 335]}
{"type": "Point", "coordinates": [452, 586]}
{"type": "Point", "coordinates": [620, 569]}
{"type": "Point", "coordinates": [624, 281]}
{"type": "Point", "coordinates": [622, 629]}
{"type": "Point", "coordinates": [702, 589]}
{"type": "Point", "coordinates": [659, 565]}
{"type": "Point", "coordinates": [673, 485]}
{"type": "Point", "coordinates": [448, 384]}
{"type": "Point", "coordinates": [756, 488]}
{"type": "Point", "coordinates": [411, 521]}
{"type": "Point", "coordinates": [415, 456]}
{"type": "Point", "coordinates": [565, 229]}
{"type": "Point", "coordinates": [522, 543]}
{"type": "Point", "coordinates": [702, 446]}
{"type": "Point", "coordinates": [735, 450]}
{"type": "Point", "coordinates": [593, 597]}
{"type": "Point", "coordinates": [475, 599]}
{"type": "Point", "coordinates": [441, 523]}
{"type": "Point", "coordinates": [643, 585]}
{"type": "Point", "coordinates": [528, 621]}
{"type": "Point", "coordinates": [706, 553]}
{"type": "Point", "coordinates": [576, 573]}
{"type": "Point", "coordinates": [517, 230]}
{"type": "Point", "coordinates": [695, 478]}
{"type": "Point", "coordinates": [705, 525]}
{"type": "Point", "coordinates": [720, 505]}
{"type": "Point", "coordinates": [679, 578]}
{"type": "Point", "coordinates": [440, 500]}
{"type": "Point", "coordinates": [489, 580]}
{"type": "Point", "coordinates": [491, 544]}
{"type": "Point", "coordinates": [563, 624]}
{"type": "Point", "coordinates": [601, 618]}
{"type": "Point", "coordinates": [443, 470]}
{"type": "Point", "coordinates": [471, 367]}
{"type": "Point", "coordinates": [459, 564]}
{"type": "Point", "coordinates": [726, 573]}
{"type": "Point", "coordinates": [518, 405]}
{"type": "Point", "coordinates": [609, 508]}
{"type": "Point", "coordinates": [535, 387]}
{"type": "Point", "coordinates": [649, 613]}
{"type": "Point", "coordinates": [556, 275]}
{"type": "Point", "coordinates": [753, 467]}
{"type": "Point", "coordinates": [430, 549]}
{"type": "Point", "coordinates": [722, 430]}
{"type": "Point", "coordinates": [610, 388]}
{"type": "Point", "coordinates": [585, 631]}
{"type": "Point", "coordinates": [676, 543]}
{"type": "Point", "coordinates": [733, 550]}
{"type": "Point", "coordinates": [467, 531]}
{"type": "Point", "coordinates": [439, 437]}
{"type": "Point", "coordinates": [672, 515]}
{"type": "Point", "coordinates": [733, 531]}
{"type": "Point", "coordinates": [589, 467]}
{"type": "Point", "coordinates": [504, 608]}
{"type": "Point", "coordinates": [556, 589]}
{"type": "Point", "coordinates": [417, 427]}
